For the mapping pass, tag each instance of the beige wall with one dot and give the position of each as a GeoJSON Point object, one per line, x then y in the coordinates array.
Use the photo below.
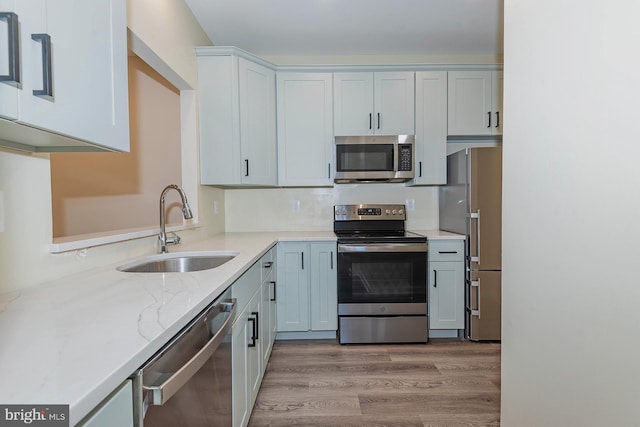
{"type": "Point", "coordinates": [571, 206]}
{"type": "Point", "coordinates": [98, 192]}
{"type": "Point", "coordinates": [170, 32]}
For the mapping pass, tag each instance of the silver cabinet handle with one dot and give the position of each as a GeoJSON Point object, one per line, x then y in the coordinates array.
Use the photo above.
{"type": "Point", "coordinates": [329, 170]}
{"type": "Point", "coordinates": [163, 392]}
{"type": "Point", "coordinates": [47, 77]}
{"type": "Point", "coordinates": [378, 120]}
{"type": "Point", "coordinates": [302, 260]}
{"type": "Point", "coordinates": [13, 48]}
{"type": "Point", "coordinates": [332, 260]}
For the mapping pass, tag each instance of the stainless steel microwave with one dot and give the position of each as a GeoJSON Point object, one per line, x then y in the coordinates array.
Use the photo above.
{"type": "Point", "coordinates": [374, 158]}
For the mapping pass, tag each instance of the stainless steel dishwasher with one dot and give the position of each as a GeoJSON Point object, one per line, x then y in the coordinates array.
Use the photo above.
{"type": "Point", "coordinates": [188, 382]}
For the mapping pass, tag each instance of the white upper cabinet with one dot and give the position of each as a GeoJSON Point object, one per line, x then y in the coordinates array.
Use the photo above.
{"type": "Point", "coordinates": [475, 103]}
{"type": "Point", "coordinates": [431, 128]}
{"type": "Point", "coordinates": [374, 103]}
{"type": "Point", "coordinates": [305, 129]}
{"type": "Point", "coordinates": [70, 85]}
{"type": "Point", "coordinates": [237, 118]}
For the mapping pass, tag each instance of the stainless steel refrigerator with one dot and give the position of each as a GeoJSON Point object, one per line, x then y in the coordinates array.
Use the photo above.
{"type": "Point", "coordinates": [471, 204]}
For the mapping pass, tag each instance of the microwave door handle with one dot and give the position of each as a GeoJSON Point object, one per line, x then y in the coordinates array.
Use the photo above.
{"type": "Point", "coordinates": [396, 159]}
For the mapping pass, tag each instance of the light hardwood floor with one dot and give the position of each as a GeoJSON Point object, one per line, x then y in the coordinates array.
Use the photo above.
{"type": "Point", "coordinates": [321, 383]}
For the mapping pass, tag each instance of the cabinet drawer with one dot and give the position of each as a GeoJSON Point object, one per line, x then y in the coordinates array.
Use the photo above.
{"type": "Point", "coordinates": [446, 250]}
{"type": "Point", "coordinates": [267, 265]}
{"type": "Point", "coordinates": [247, 285]}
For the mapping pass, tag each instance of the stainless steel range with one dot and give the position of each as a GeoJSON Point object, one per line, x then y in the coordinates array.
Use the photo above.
{"type": "Point", "coordinates": [382, 276]}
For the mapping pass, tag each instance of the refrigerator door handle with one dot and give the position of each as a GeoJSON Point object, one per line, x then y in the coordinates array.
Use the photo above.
{"type": "Point", "coordinates": [476, 311]}
{"type": "Point", "coordinates": [476, 216]}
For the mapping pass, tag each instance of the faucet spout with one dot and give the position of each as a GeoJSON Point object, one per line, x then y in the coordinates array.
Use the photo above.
{"type": "Point", "coordinates": [163, 240]}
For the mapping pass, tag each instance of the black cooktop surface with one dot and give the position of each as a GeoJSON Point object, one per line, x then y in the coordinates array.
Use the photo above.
{"type": "Point", "coordinates": [379, 237]}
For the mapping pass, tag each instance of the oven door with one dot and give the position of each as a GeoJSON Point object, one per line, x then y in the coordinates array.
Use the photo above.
{"type": "Point", "coordinates": [379, 278]}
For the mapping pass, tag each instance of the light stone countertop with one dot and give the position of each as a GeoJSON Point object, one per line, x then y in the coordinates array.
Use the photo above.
{"type": "Point", "coordinates": [438, 234]}
{"type": "Point", "coordinates": [74, 340]}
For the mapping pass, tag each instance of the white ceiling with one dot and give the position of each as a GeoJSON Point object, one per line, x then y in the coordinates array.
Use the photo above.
{"type": "Point", "coordinates": [354, 27]}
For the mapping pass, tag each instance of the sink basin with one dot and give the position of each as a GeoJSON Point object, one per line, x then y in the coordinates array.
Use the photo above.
{"type": "Point", "coordinates": [178, 262]}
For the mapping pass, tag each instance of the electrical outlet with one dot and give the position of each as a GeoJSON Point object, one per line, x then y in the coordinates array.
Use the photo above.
{"type": "Point", "coordinates": [295, 205]}
{"type": "Point", "coordinates": [1, 212]}
{"type": "Point", "coordinates": [410, 204]}
{"type": "Point", "coordinates": [216, 208]}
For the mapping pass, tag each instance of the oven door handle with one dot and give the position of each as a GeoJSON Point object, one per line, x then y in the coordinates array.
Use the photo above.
{"type": "Point", "coordinates": [383, 247]}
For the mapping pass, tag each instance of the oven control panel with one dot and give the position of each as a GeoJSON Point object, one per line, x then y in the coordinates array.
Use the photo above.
{"type": "Point", "coordinates": [369, 212]}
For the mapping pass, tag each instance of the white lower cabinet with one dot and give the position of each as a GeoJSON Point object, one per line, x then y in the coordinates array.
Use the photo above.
{"type": "Point", "coordinates": [307, 295]}
{"type": "Point", "coordinates": [252, 334]}
{"type": "Point", "coordinates": [268, 311]}
{"type": "Point", "coordinates": [446, 284]}
{"type": "Point", "coordinates": [115, 410]}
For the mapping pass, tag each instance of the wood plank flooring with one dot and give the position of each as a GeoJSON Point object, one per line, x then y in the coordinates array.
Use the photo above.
{"type": "Point", "coordinates": [321, 383]}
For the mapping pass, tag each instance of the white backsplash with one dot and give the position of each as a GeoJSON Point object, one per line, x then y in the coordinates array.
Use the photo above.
{"type": "Point", "coordinates": [298, 209]}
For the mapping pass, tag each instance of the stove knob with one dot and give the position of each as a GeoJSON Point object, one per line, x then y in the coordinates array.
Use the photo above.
{"type": "Point", "coordinates": [401, 212]}
{"type": "Point", "coordinates": [394, 212]}
{"type": "Point", "coordinates": [388, 212]}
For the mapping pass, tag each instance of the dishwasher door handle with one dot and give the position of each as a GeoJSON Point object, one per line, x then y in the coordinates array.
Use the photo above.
{"type": "Point", "coordinates": [163, 392]}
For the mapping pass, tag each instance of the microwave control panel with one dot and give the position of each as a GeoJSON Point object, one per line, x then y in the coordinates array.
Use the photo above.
{"type": "Point", "coordinates": [405, 158]}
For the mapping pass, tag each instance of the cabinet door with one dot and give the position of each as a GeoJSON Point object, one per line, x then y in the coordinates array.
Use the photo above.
{"type": "Point", "coordinates": [497, 82]}
{"type": "Point", "coordinates": [353, 103]}
{"type": "Point", "coordinates": [116, 410]}
{"type": "Point", "coordinates": [446, 295]}
{"type": "Point", "coordinates": [254, 357]}
{"type": "Point", "coordinates": [240, 334]}
{"type": "Point", "coordinates": [324, 289]}
{"type": "Point", "coordinates": [85, 95]}
{"type": "Point", "coordinates": [219, 120]}
{"type": "Point", "coordinates": [394, 96]}
{"type": "Point", "coordinates": [257, 123]}
{"type": "Point", "coordinates": [305, 129]}
{"type": "Point", "coordinates": [469, 97]}
{"type": "Point", "coordinates": [11, 76]}
{"type": "Point", "coordinates": [293, 287]}
{"type": "Point", "coordinates": [267, 319]}
{"type": "Point", "coordinates": [431, 128]}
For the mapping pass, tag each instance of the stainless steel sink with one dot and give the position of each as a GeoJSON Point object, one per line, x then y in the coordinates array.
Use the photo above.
{"type": "Point", "coordinates": [178, 262]}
